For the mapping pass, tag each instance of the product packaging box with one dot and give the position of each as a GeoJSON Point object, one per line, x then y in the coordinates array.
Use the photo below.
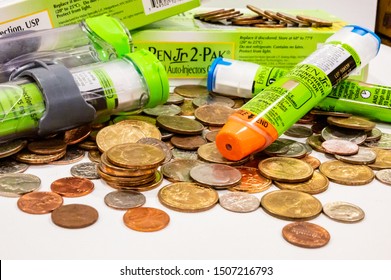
{"type": "Point", "coordinates": [22, 15]}
{"type": "Point", "coordinates": [383, 18]}
{"type": "Point", "coordinates": [187, 46]}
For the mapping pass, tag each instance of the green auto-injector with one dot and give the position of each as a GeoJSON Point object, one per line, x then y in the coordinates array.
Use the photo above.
{"type": "Point", "coordinates": [50, 98]}
{"type": "Point", "coordinates": [271, 112]}
{"type": "Point", "coordinates": [95, 39]}
{"type": "Point", "coordinates": [246, 79]}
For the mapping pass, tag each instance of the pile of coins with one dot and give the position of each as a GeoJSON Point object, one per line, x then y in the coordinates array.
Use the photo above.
{"type": "Point", "coordinates": [262, 19]}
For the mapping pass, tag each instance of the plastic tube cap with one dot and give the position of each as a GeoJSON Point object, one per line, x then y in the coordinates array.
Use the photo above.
{"type": "Point", "coordinates": [236, 141]}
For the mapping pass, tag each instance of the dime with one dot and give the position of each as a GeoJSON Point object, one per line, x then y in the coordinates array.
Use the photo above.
{"type": "Point", "coordinates": [14, 185]}
{"type": "Point", "coordinates": [384, 176]}
{"type": "Point", "coordinates": [124, 199]}
{"type": "Point", "coordinates": [283, 169]}
{"type": "Point", "coordinates": [352, 122]}
{"type": "Point", "coordinates": [343, 212]}
{"type": "Point", "coordinates": [353, 135]}
{"type": "Point", "coordinates": [160, 144]}
{"type": "Point", "coordinates": [288, 204]}
{"type": "Point", "coordinates": [384, 142]}
{"type": "Point", "coordinates": [74, 216]}
{"type": "Point", "coordinates": [184, 154]}
{"type": "Point", "coordinates": [306, 235]}
{"type": "Point", "coordinates": [317, 184]}
{"type": "Point", "coordinates": [346, 173]}
{"type": "Point", "coordinates": [136, 155]}
{"type": "Point", "coordinates": [178, 170]}
{"type": "Point", "coordinates": [298, 131]}
{"type": "Point", "coordinates": [191, 91]}
{"type": "Point", "coordinates": [239, 202]}
{"type": "Point", "coordinates": [180, 125]}
{"type": "Point", "coordinates": [47, 146]}
{"type": "Point", "coordinates": [213, 100]}
{"type": "Point", "coordinates": [219, 176]}
{"type": "Point", "coordinates": [72, 155]}
{"type": "Point", "coordinates": [316, 21]}
{"type": "Point", "coordinates": [216, 115]}
{"type": "Point", "coordinates": [163, 110]}
{"type": "Point", "coordinates": [146, 219]}
{"type": "Point", "coordinates": [210, 153]}
{"type": "Point", "coordinates": [364, 156]}
{"type": "Point", "coordinates": [8, 165]}
{"type": "Point", "coordinates": [72, 186]}
{"type": "Point", "coordinates": [174, 98]}
{"type": "Point", "coordinates": [39, 202]}
{"type": "Point", "coordinates": [77, 134]}
{"type": "Point", "coordinates": [187, 197]}
{"type": "Point", "coordinates": [31, 158]}
{"type": "Point", "coordinates": [11, 147]}
{"type": "Point", "coordinates": [88, 170]}
{"type": "Point", "coordinates": [340, 147]}
{"type": "Point", "coordinates": [252, 181]}
{"type": "Point", "coordinates": [188, 142]}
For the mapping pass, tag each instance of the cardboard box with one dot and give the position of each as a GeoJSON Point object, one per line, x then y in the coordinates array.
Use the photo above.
{"type": "Point", "coordinates": [19, 15]}
{"type": "Point", "coordinates": [187, 46]}
{"type": "Point", "coordinates": [383, 18]}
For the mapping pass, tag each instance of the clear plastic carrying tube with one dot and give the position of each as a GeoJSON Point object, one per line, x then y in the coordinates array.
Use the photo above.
{"type": "Point", "coordinates": [106, 38]}
{"type": "Point", "coordinates": [50, 98]}
{"type": "Point", "coordinates": [271, 112]}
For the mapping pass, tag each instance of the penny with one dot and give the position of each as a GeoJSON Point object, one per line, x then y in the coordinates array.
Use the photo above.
{"type": "Point", "coordinates": [127, 181]}
{"type": "Point", "coordinates": [191, 91]}
{"type": "Point", "coordinates": [72, 186]}
{"type": "Point", "coordinates": [317, 184]}
{"type": "Point", "coordinates": [166, 135]}
{"type": "Point", "coordinates": [11, 147]}
{"type": "Point", "coordinates": [298, 131]}
{"type": "Point", "coordinates": [187, 197]}
{"type": "Point", "coordinates": [47, 146]}
{"type": "Point", "coordinates": [384, 176]}
{"type": "Point", "coordinates": [211, 135]}
{"type": "Point", "coordinates": [187, 108]}
{"type": "Point", "coordinates": [352, 122]}
{"type": "Point", "coordinates": [306, 235]}
{"type": "Point", "coordinates": [353, 135]}
{"type": "Point", "coordinates": [8, 165]}
{"type": "Point", "coordinates": [283, 169]}
{"type": "Point", "coordinates": [174, 98]}
{"type": "Point", "coordinates": [180, 125]}
{"type": "Point", "coordinates": [313, 161]}
{"type": "Point", "coordinates": [346, 173]}
{"type": "Point", "coordinates": [178, 170]}
{"type": "Point", "coordinates": [74, 216]}
{"type": "Point", "coordinates": [76, 135]}
{"type": "Point", "coordinates": [14, 185]}
{"type": "Point", "coordinates": [227, 15]}
{"type": "Point", "coordinates": [373, 135]}
{"type": "Point", "coordinates": [163, 110]}
{"type": "Point", "coordinates": [88, 170]}
{"type": "Point", "coordinates": [188, 142]}
{"type": "Point", "coordinates": [384, 142]}
{"type": "Point", "coordinates": [259, 12]}
{"type": "Point", "coordinates": [293, 18]}
{"type": "Point", "coordinates": [210, 153]}
{"type": "Point", "coordinates": [139, 187]}
{"type": "Point", "coordinates": [160, 144]}
{"type": "Point", "coordinates": [136, 155]}
{"type": "Point", "coordinates": [31, 158]}
{"type": "Point", "coordinates": [184, 154]}
{"type": "Point", "coordinates": [315, 141]}
{"type": "Point", "coordinates": [249, 21]}
{"type": "Point", "coordinates": [146, 219]}
{"type": "Point", "coordinates": [216, 115]}
{"type": "Point", "coordinates": [88, 145]}
{"type": "Point", "coordinates": [94, 155]}
{"type": "Point", "coordinates": [239, 202]}
{"type": "Point", "coordinates": [213, 100]}
{"type": "Point", "coordinates": [124, 199]}
{"type": "Point", "coordinates": [316, 21]}
{"type": "Point", "coordinates": [318, 126]}
{"type": "Point", "coordinates": [270, 25]}
{"type": "Point", "coordinates": [289, 204]}
{"type": "Point", "coordinates": [364, 156]}
{"type": "Point", "coordinates": [219, 176]}
{"type": "Point", "coordinates": [340, 147]}
{"type": "Point", "coordinates": [329, 113]}
{"type": "Point", "coordinates": [39, 202]}
{"type": "Point", "coordinates": [343, 212]}
{"type": "Point", "coordinates": [278, 18]}
{"type": "Point", "coordinates": [72, 155]}
{"type": "Point", "coordinates": [252, 181]}
{"type": "Point", "coordinates": [206, 14]}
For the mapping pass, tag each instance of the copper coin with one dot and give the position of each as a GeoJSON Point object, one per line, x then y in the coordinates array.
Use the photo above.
{"type": "Point", "coordinates": [127, 181]}
{"type": "Point", "coordinates": [72, 186]}
{"type": "Point", "coordinates": [74, 216]}
{"type": "Point", "coordinates": [124, 199]}
{"type": "Point", "coordinates": [72, 155]}
{"type": "Point", "coordinates": [259, 12]}
{"type": "Point", "coordinates": [343, 212]}
{"type": "Point", "coordinates": [239, 202]}
{"type": "Point", "coordinates": [180, 125]}
{"type": "Point", "coordinates": [353, 135]}
{"type": "Point", "coordinates": [293, 18]}
{"type": "Point", "coordinates": [364, 156]}
{"type": "Point", "coordinates": [94, 155]}
{"type": "Point", "coordinates": [206, 14]}
{"type": "Point", "coordinates": [374, 135]}
{"type": "Point", "coordinates": [316, 21]}
{"type": "Point", "coordinates": [139, 187]}
{"type": "Point", "coordinates": [191, 91]}
{"type": "Point", "coordinates": [11, 147]}
{"type": "Point", "coordinates": [317, 184]}
{"type": "Point", "coordinates": [340, 147]}
{"type": "Point", "coordinates": [313, 161]}
{"type": "Point", "coordinates": [31, 158]}
{"type": "Point", "coordinates": [219, 176]}
{"type": "Point", "coordinates": [216, 115]}
{"type": "Point", "coordinates": [47, 146]}
{"type": "Point", "coordinates": [88, 170]}
{"type": "Point", "coordinates": [188, 142]}
{"type": "Point", "coordinates": [8, 165]}
{"type": "Point", "coordinates": [146, 219]}
{"type": "Point", "coordinates": [88, 145]}
{"type": "Point", "coordinates": [39, 202]}
{"type": "Point", "coordinates": [252, 181]}
{"type": "Point", "coordinates": [346, 173]}
{"type": "Point", "coordinates": [178, 170]}
{"type": "Point", "coordinates": [249, 21]}
{"type": "Point", "coordinates": [76, 135]}
{"type": "Point", "coordinates": [14, 185]}
{"type": "Point", "coordinates": [305, 234]}
{"type": "Point", "coordinates": [211, 135]}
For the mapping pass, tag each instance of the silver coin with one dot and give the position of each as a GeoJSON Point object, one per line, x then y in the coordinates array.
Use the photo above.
{"type": "Point", "coordinates": [295, 150]}
{"type": "Point", "coordinates": [384, 176]}
{"type": "Point", "coordinates": [219, 176]}
{"type": "Point", "coordinates": [124, 199]}
{"type": "Point", "coordinates": [213, 100]}
{"type": "Point", "coordinates": [160, 144]}
{"type": "Point", "coordinates": [11, 147]}
{"type": "Point", "coordinates": [343, 212]}
{"type": "Point", "coordinates": [364, 156]}
{"type": "Point", "coordinates": [72, 155]}
{"type": "Point", "coordinates": [184, 154]}
{"type": "Point", "coordinates": [384, 142]}
{"type": "Point", "coordinates": [352, 135]}
{"type": "Point", "coordinates": [298, 131]}
{"type": "Point", "coordinates": [8, 165]}
{"type": "Point", "coordinates": [239, 202]}
{"type": "Point", "coordinates": [88, 170]}
{"type": "Point", "coordinates": [14, 185]}
{"type": "Point", "coordinates": [160, 110]}
{"type": "Point", "coordinates": [278, 147]}
{"type": "Point", "coordinates": [174, 98]}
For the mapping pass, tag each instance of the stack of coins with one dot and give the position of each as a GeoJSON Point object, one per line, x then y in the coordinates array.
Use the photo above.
{"type": "Point", "coordinates": [132, 166]}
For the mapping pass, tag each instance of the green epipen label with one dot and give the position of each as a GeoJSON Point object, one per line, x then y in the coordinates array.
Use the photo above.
{"type": "Point", "coordinates": [265, 76]}
{"type": "Point", "coordinates": [21, 108]}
